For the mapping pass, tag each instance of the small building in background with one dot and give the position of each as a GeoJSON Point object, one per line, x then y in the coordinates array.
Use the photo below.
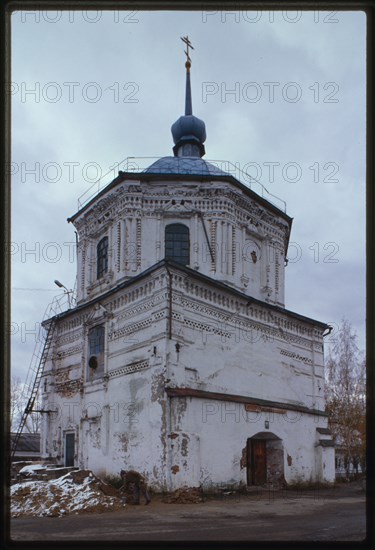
{"type": "Point", "coordinates": [28, 447]}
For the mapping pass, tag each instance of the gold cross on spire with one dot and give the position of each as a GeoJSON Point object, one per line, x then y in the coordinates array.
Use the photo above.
{"type": "Point", "coordinates": [186, 40]}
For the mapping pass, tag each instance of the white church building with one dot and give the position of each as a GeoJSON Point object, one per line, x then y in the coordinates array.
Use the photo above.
{"type": "Point", "coordinates": [179, 359]}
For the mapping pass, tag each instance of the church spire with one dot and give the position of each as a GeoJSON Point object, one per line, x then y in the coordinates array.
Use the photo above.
{"type": "Point", "coordinates": [188, 103]}
{"type": "Point", "coordinates": [189, 132]}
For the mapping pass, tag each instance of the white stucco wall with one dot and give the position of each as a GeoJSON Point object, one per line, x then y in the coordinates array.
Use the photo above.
{"type": "Point", "coordinates": [203, 337]}
{"type": "Point", "coordinates": [248, 239]}
{"type": "Point", "coordinates": [215, 433]}
{"type": "Point", "coordinates": [243, 350]}
{"type": "Point", "coordinates": [118, 425]}
{"type": "Point", "coordinates": [125, 418]}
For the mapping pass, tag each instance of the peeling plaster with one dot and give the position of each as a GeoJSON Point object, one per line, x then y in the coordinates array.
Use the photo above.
{"type": "Point", "coordinates": [243, 459]}
{"type": "Point", "coordinates": [95, 435]}
{"type": "Point", "coordinates": [157, 387]}
{"type": "Point", "coordinates": [124, 440]}
{"type": "Point", "coordinates": [184, 446]}
{"type": "Point", "coordinates": [135, 385]}
{"type": "Point", "coordinates": [180, 409]}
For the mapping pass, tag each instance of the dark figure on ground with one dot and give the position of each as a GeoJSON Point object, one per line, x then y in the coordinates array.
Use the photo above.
{"type": "Point", "coordinates": [139, 485]}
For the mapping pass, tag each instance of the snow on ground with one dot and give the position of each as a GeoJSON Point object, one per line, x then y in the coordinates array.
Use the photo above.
{"type": "Point", "coordinates": [31, 468]}
{"type": "Point", "coordinates": [76, 492]}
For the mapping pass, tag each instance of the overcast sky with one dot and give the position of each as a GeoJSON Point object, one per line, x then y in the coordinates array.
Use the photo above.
{"type": "Point", "coordinates": [282, 95]}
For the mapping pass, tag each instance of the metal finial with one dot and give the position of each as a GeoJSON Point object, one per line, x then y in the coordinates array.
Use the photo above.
{"type": "Point", "coordinates": [186, 40]}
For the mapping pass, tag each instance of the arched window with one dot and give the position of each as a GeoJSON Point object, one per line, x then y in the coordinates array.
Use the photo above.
{"type": "Point", "coordinates": [102, 257]}
{"type": "Point", "coordinates": [177, 243]}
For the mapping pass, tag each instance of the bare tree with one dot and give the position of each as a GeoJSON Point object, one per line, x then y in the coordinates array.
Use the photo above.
{"type": "Point", "coordinates": [15, 402]}
{"type": "Point", "coordinates": [346, 396]}
{"type": "Point", "coordinates": [18, 402]}
{"type": "Point", "coordinates": [33, 420]}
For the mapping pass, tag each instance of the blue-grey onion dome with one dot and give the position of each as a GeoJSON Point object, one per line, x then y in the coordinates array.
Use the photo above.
{"type": "Point", "coordinates": [185, 165]}
{"type": "Point", "coordinates": [189, 127]}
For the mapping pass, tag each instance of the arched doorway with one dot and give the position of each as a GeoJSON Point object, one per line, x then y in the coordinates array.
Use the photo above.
{"type": "Point", "coordinates": [265, 459]}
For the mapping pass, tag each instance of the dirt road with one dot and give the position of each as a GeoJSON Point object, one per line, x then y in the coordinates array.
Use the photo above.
{"type": "Point", "coordinates": [325, 515]}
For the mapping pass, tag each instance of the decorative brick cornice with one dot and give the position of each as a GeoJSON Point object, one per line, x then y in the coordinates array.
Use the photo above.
{"type": "Point", "coordinates": [215, 293]}
{"type": "Point", "coordinates": [129, 369]}
{"type": "Point", "coordinates": [244, 399]}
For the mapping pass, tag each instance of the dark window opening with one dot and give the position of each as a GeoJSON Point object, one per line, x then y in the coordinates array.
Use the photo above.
{"type": "Point", "coordinates": [102, 257]}
{"type": "Point", "coordinates": [96, 351]}
{"type": "Point", "coordinates": [69, 450]}
{"type": "Point", "coordinates": [177, 243]}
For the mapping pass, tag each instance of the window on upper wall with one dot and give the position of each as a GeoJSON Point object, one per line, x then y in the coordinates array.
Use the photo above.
{"type": "Point", "coordinates": [102, 257]}
{"type": "Point", "coordinates": [96, 350]}
{"type": "Point", "coordinates": [177, 243]}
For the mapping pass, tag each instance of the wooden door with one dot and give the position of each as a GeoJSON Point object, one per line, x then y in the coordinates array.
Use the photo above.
{"type": "Point", "coordinates": [258, 462]}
